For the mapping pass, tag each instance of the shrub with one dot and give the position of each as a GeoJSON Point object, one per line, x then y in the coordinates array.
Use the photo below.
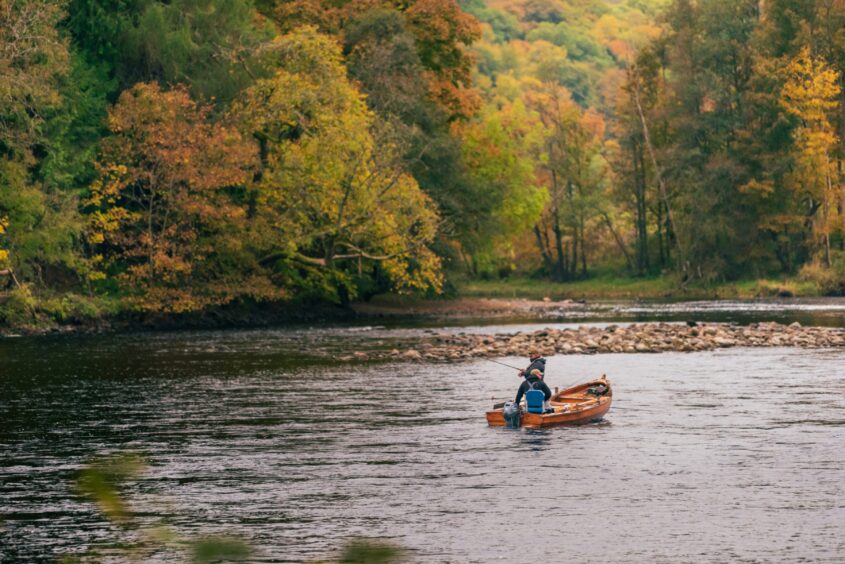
{"type": "Point", "coordinates": [18, 308]}
{"type": "Point", "coordinates": [76, 308]}
{"type": "Point", "coordinates": [831, 280]}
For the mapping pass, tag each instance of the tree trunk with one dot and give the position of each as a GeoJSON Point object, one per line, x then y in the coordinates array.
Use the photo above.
{"type": "Point", "coordinates": [828, 197]}
{"type": "Point", "coordinates": [547, 243]}
{"type": "Point", "coordinates": [661, 244]}
{"type": "Point", "coordinates": [827, 260]}
{"type": "Point", "coordinates": [545, 252]}
{"type": "Point", "coordinates": [560, 267]}
{"type": "Point", "coordinates": [343, 294]}
{"type": "Point", "coordinates": [11, 274]}
{"type": "Point", "coordinates": [642, 219]}
{"type": "Point", "coordinates": [659, 176]}
{"type": "Point", "coordinates": [566, 255]}
{"type": "Point", "coordinates": [619, 241]}
{"type": "Point", "coordinates": [668, 233]}
{"type": "Point", "coordinates": [465, 260]}
{"type": "Point", "coordinates": [840, 202]}
{"type": "Point", "coordinates": [581, 237]}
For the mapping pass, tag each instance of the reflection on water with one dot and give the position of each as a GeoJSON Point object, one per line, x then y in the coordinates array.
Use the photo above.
{"type": "Point", "coordinates": [807, 311]}
{"type": "Point", "coordinates": [720, 456]}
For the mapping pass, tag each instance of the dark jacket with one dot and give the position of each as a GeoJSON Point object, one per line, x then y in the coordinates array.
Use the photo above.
{"type": "Point", "coordinates": [539, 364]}
{"type": "Point", "coordinates": [535, 383]}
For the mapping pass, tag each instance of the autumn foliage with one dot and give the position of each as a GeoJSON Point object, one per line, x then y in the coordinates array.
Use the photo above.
{"type": "Point", "coordinates": [331, 190]}
{"type": "Point", "coordinates": [442, 32]}
{"type": "Point", "coordinates": [810, 94]}
{"type": "Point", "coordinates": [163, 213]}
{"type": "Point", "coordinates": [179, 156]}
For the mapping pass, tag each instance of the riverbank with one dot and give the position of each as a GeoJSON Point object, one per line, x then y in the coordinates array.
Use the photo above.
{"type": "Point", "coordinates": [634, 338]}
{"type": "Point", "coordinates": [22, 313]}
{"type": "Point", "coordinates": [528, 297]}
{"type": "Point", "coordinates": [605, 287]}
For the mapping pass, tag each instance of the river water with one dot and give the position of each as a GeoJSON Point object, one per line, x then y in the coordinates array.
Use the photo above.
{"type": "Point", "coordinates": [730, 455]}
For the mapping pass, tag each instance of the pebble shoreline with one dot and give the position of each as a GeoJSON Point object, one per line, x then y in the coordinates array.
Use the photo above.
{"type": "Point", "coordinates": [635, 338]}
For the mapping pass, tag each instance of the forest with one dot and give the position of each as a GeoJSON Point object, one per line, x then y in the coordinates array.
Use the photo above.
{"type": "Point", "coordinates": [168, 157]}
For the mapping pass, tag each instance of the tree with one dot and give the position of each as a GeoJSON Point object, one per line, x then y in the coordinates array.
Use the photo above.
{"type": "Point", "coordinates": [440, 29]}
{"type": "Point", "coordinates": [332, 196]}
{"type": "Point", "coordinates": [635, 185]}
{"type": "Point", "coordinates": [382, 56]}
{"type": "Point", "coordinates": [504, 25]}
{"type": "Point", "coordinates": [413, 62]}
{"type": "Point", "coordinates": [500, 151]}
{"type": "Point", "coordinates": [703, 161]}
{"type": "Point", "coordinates": [165, 217]}
{"type": "Point", "coordinates": [810, 94]}
{"type": "Point", "coordinates": [32, 56]}
{"type": "Point", "coordinates": [213, 46]}
{"type": "Point", "coordinates": [574, 170]}
{"type": "Point", "coordinates": [41, 223]}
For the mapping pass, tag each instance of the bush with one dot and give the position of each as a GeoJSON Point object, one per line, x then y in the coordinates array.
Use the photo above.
{"type": "Point", "coordinates": [830, 280]}
{"type": "Point", "coordinates": [18, 308]}
{"type": "Point", "coordinates": [76, 309]}
{"type": "Point", "coordinates": [775, 289]}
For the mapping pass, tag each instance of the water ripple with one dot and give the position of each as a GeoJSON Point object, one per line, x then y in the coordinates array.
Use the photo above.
{"type": "Point", "coordinates": [731, 455]}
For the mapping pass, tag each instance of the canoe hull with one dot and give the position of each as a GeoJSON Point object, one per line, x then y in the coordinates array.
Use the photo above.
{"type": "Point", "coordinates": [572, 407]}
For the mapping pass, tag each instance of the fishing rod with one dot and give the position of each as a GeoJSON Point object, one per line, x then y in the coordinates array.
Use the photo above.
{"type": "Point", "coordinates": [580, 379]}
{"type": "Point", "coordinates": [501, 404]}
{"type": "Point", "coordinates": [502, 363]}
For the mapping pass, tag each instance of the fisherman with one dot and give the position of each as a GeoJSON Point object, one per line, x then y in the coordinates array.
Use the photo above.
{"type": "Point", "coordinates": [537, 363]}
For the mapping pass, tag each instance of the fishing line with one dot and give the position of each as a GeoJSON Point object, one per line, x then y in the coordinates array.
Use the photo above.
{"type": "Point", "coordinates": [502, 363]}
{"type": "Point", "coordinates": [580, 380]}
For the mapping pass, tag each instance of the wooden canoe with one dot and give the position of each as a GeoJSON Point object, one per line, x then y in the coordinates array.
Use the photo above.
{"type": "Point", "coordinates": [573, 406]}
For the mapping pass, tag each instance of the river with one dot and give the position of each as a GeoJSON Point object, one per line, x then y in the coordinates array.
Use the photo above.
{"type": "Point", "coordinates": [731, 455]}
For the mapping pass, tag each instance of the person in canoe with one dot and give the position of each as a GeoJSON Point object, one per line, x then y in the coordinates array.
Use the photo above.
{"type": "Point", "coordinates": [537, 363]}
{"type": "Point", "coordinates": [534, 381]}
{"type": "Point", "coordinates": [534, 375]}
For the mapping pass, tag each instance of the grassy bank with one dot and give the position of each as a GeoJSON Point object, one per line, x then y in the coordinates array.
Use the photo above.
{"type": "Point", "coordinates": [618, 287]}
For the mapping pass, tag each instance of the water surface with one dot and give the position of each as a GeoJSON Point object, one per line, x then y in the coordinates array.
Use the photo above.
{"type": "Point", "coordinates": [728, 455]}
